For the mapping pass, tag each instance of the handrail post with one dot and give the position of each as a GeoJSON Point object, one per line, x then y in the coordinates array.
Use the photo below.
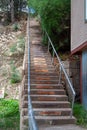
{"type": "Point", "coordinates": [73, 100]}
{"type": "Point", "coordinates": [48, 46]}
{"type": "Point", "coordinates": [53, 57]}
{"type": "Point", "coordinates": [60, 74]}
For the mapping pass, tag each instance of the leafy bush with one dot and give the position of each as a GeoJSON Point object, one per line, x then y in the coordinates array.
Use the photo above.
{"type": "Point", "coordinates": [13, 48]}
{"type": "Point", "coordinates": [81, 115]}
{"type": "Point", "coordinates": [16, 27]}
{"type": "Point", "coordinates": [15, 75]}
{"type": "Point", "coordinates": [9, 114]}
{"type": "Point", "coordinates": [21, 43]}
{"type": "Point", "coordinates": [55, 17]}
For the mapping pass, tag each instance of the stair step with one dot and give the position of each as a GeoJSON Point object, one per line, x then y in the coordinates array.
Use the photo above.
{"type": "Point", "coordinates": [52, 111]}
{"type": "Point", "coordinates": [44, 82]}
{"type": "Point", "coordinates": [51, 67]}
{"type": "Point", "coordinates": [43, 73]}
{"type": "Point", "coordinates": [55, 120]}
{"type": "Point", "coordinates": [49, 97]}
{"type": "Point", "coordinates": [33, 77]}
{"type": "Point", "coordinates": [25, 112]}
{"type": "Point", "coordinates": [40, 64]}
{"type": "Point", "coordinates": [49, 100]}
{"type": "Point", "coordinates": [25, 104]}
{"type": "Point", "coordinates": [51, 104]}
{"type": "Point", "coordinates": [43, 69]}
{"type": "Point", "coordinates": [47, 91]}
{"type": "Point", "coordinates": [47, 86]}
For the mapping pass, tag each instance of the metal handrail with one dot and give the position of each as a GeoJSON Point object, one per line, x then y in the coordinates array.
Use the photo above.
{"type": "Point", "coordinates": [61, 69]}
{"type": "Point", "coordinates": [31, 121]}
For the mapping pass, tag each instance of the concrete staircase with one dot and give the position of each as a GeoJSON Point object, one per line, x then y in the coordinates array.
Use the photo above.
{"type": "Point", "coordinates": [49, 100]}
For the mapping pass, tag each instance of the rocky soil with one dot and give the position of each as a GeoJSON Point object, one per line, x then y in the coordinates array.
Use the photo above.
{"type": "Point", "coordinates": [11, 59]}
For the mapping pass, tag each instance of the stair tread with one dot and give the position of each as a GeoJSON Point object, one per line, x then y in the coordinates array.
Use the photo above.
{"type": "Point", "coordinates": [54, 117]}
{"type": "Point", "coordinates": [48, 90]}
{"type": "Point", "coordinates": [47, 84]}
{"type": "Point", "coordinates": [53, 102]}
{"type": "Point", "coordinates": [48, 95]}
{"type": "Point", "coordinates": [52, 109]}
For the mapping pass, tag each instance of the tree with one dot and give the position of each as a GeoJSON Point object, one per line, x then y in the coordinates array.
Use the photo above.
{"type": "Point", "coordinates": [12, 8]}
{"type": "Point", "coordinates": [55, 17]}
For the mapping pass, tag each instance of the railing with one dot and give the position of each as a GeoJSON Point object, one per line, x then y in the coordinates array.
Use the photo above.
{"type": "Point", "coordinates": [70, 89]}
{"type": "Point", "coordinates": [31, 121]}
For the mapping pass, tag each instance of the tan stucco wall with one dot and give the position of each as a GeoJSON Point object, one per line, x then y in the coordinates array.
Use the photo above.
{"type": "Point", "coordinates": [78, 24]}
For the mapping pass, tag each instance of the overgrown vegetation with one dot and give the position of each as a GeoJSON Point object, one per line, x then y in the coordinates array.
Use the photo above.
{"type": "Point", "coordinates": [16, 27]}
{"type": "Point", "coordinates": [15, 75]}
{"type": "Point", "coordinates": [19, 46]}
{"type": "Point", "coordinates": [81, 114]}
{"type": "Point", "coordinates": [9, 114]}
{"type": "Point", "coordinates": [55, 17]}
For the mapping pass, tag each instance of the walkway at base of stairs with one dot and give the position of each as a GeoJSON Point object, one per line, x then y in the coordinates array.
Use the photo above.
{"type": "Point", "coordinates": [63, 127]}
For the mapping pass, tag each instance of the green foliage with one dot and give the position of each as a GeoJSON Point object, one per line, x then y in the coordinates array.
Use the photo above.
{"type": "Point", "coordinates": [9, 108]}
{"type": "Point", "coordinates": [9, 114]}
{"type": "Point", "coordinates": [55, 17]}
{"type": "Point", "coordinates": [81, 115]}
{"type": "Point", "coordinates": [18, 48]}
{"type": "Point", "coordinates": [13, 48]}
{"type": "Point", "coordinates": [16, 27]}
{"type": "Point", "coordinates": [15, 75]}
{"type": "Point", "coordinates": [5, 6]}
{"type": "Point", "coordinates": [21, 43]}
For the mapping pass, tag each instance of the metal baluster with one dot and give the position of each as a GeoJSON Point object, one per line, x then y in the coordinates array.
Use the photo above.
{"type": "Point", "coordinates": [48, 46]}
{"type": "Point", "coordinates": [53, 58]}
{"type": "Point", "coordinates": [60, 74]}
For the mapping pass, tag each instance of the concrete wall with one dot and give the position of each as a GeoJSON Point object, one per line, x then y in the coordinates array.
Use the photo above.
{"type": "Point", "coordinates": [78, 24]}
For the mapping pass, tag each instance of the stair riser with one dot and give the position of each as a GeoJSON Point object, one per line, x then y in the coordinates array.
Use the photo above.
{"type": "Point", "coordinates": [41, 68]}
{"type": "Point", "coordinates": [44, 82]}
{"type": "Point", "coordinates": [52, 113]}
{"type": "Point", "coordinates": [47, 86]}
{"type": "Point", "coordinates": [25, 92]}
{"type": "Point", "coordinates": [25, 98]}
{"type": "Point", "coordinates": [36, 105]}
{"type": "Point", "coordinates": [55, 122]}
{"type": "Point", "coordinates": [33, 77]}
{"type": "Point", "coordinates": [48, 93]}
{"type": "Point", "coordinates": [49, 98]}
{"type": "Point", "coordinates": [25, 113]}
{"type": "Point", "coordinates": [25, 105]}
{"type": "Point", "coordinates": [46, 75]}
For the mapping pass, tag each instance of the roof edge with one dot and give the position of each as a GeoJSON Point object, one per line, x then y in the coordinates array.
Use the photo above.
{"type": "Point", "coordinates": [79, 48]}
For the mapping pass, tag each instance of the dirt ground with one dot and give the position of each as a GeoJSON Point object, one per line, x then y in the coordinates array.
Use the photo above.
{"type": "Point", "coordinates": [11, 56]}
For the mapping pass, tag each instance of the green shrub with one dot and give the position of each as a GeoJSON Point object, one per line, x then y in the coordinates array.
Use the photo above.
{"type": "Point", "coordinates": [13, 48]}
{"type": "Point", "coordinates": [21, 43]}
{"type": "Point", "coordinates": [55, 17]}
{"type": "Point", "coordinates": [15, 75]}
{"type": "Point", "coordinates": [9, 114]}
{"type": "Point", "coordinates": [16, 27]}
{"type": "Point", "coordinates": [81, 115]}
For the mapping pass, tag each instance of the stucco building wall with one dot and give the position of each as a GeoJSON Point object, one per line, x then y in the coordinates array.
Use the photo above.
{"type": "Point", "coordinates": [78, 24]}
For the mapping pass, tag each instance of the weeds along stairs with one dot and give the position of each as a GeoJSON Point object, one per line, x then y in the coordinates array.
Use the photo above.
{"type": "Point", "coordinates": [49, 100]}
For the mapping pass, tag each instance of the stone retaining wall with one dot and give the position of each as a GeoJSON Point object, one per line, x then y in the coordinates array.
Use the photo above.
{"type": "Point", "coordinates": [72, 67]}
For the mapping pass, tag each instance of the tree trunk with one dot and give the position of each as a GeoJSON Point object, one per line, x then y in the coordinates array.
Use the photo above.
{"type": "Point", "coordinates": [12, 11]}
